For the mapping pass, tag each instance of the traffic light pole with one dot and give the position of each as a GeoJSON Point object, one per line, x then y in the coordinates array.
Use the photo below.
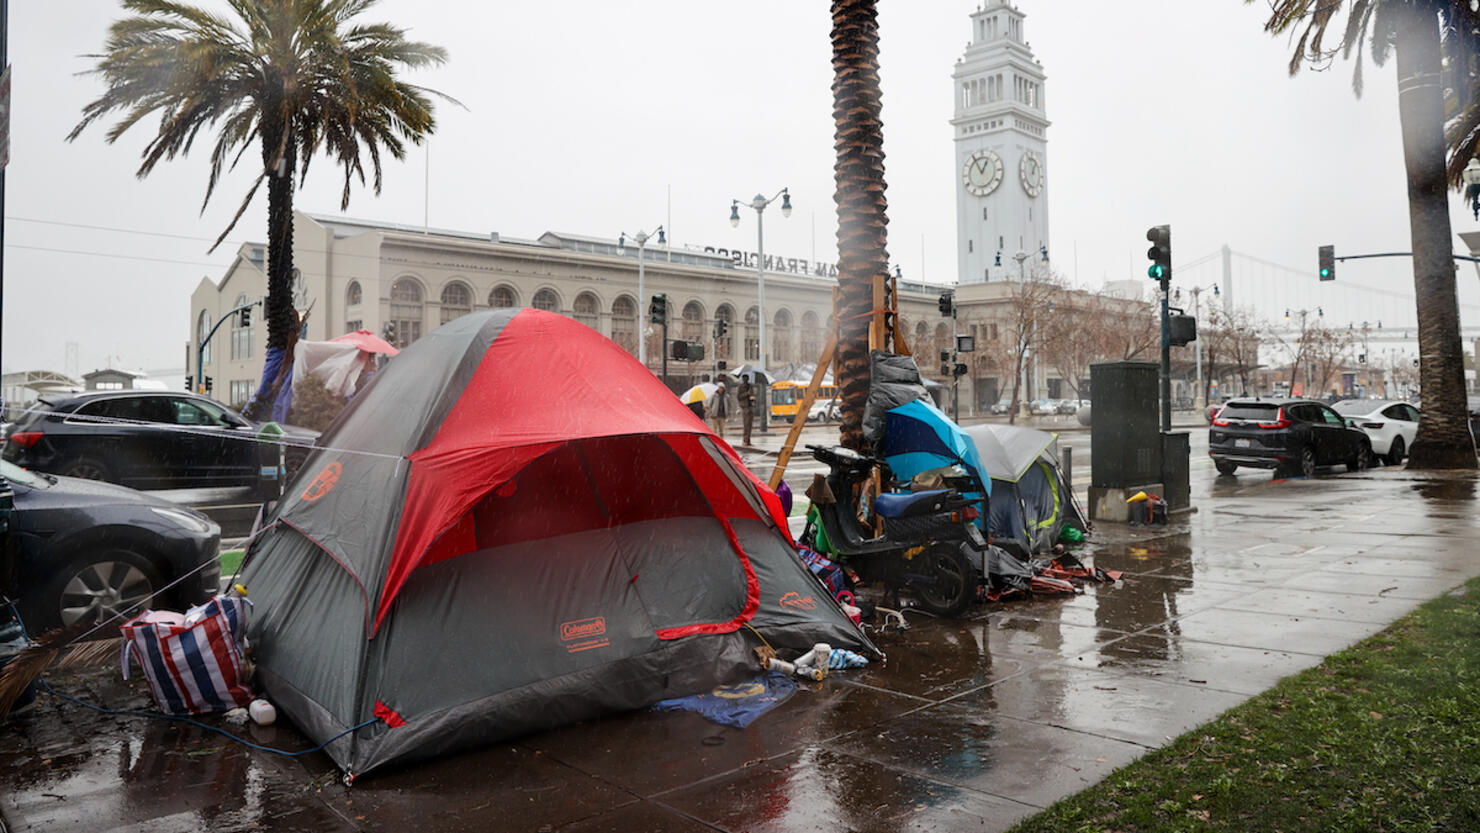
{"type": "Point", "coordinates": [1166, 356]}
{"type": "Point", "coordinates": [955, 377]}
{"type": "Point", "coordinates": [200, 349]}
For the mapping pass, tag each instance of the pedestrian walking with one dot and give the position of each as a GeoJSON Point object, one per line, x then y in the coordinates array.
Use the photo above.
{"type": "Point", "coordinates": [746, 394]}
{"type": "Point", "coordinates": [718, 410]}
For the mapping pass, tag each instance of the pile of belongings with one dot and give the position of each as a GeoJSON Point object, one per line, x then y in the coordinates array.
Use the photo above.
{"type": "Point", "coordinates": [1059, 573]}
{"type": "Point", "coordinates": [1030, 505]}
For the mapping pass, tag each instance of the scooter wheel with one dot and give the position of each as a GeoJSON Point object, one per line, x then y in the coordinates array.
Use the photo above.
{"type": "Point", "coordinates": [950, 580]}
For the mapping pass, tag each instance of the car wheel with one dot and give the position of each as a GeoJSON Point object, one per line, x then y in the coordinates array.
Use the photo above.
{"type": "Point", "coordinates": [1363, 460]}
{"type": "Point", "coordinates": [1307, 462]}
{"type": "Point", "coordinates": [1225, 467]}
{"type": "Point", "coordinates": [1396, 452]}
{"type": "Point", "coordinates": [88, 468]}
{"type": "Point", "coordinates": [99, 586]}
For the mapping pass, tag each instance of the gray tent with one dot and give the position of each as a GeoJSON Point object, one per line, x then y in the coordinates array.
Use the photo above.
{"type": "Point", "coordinates": [1031, 502]}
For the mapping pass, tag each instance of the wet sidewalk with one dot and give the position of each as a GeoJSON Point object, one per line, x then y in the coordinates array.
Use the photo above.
{"type": "Point", "coordinates": [970, 725]}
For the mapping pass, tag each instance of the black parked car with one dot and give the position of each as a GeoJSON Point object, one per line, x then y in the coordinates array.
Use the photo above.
{"type": "Point", "coordinates": [149, 440]}
{"type": "Point", "coordinates": [1294, 436]}
{"type": "Point", "coordinates": [81, 550]}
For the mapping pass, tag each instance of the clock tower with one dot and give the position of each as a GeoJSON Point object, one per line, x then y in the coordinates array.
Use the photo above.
{"type": "Point", "coordinates": [1000, 130]}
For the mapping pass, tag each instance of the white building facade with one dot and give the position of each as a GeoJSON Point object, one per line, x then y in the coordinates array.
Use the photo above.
{"type": "Point", "coordinates": [1000, 129]}
{"type": "Point", "coordinates": [403, 282]}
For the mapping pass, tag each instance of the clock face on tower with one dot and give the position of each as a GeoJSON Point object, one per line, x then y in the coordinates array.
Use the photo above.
{"type": "Point", "coordinates": [1030, 171]}
{"type": "Point", "coordinates": [983, 173]}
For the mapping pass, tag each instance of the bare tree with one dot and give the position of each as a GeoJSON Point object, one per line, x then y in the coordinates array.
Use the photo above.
{"type": "Point", "coordinates": [1027, 306]}
{"type": "Point", "coordinates": [1328, 348]}
{"type": "Point", "coordinates": [1236, 335]}
{"type": "Point", "coordinates": [1128, 330]}
{"type": "Point", "coordinates": [1077, 334]}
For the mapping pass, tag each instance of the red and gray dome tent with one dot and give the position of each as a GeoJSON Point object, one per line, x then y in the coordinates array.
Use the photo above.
{"type": "Point", "coordinates": [516, 526]}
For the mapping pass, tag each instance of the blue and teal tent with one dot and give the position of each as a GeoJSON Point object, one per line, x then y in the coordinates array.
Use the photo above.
{"type": "Point", "coordinates": [919, 437]}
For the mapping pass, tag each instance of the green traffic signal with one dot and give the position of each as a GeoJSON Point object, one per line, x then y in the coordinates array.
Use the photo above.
{"type": "Point", "coordinates": [1155, 271]}
{"type": "Point", "coordinates": [1325, 273]}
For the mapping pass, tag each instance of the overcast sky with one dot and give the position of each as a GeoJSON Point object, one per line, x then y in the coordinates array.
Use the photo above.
{"type": "Point", "coordinates": [596, 117]}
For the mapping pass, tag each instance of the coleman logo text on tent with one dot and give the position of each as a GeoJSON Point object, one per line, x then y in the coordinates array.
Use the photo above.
{"type": "Point", "coordinates": [797, 600]}
{"type": "Point", "coordinates": [583, 629]}
{"type": "Point", "coordinates": [323, 482]}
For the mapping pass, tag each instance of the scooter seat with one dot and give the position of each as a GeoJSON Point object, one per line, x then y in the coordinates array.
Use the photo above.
{"type": "Point", "coordinates": [910, 504]}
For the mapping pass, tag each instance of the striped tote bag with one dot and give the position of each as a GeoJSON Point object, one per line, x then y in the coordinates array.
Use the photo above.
{"type": "Point", "coordinates": [194, 662]}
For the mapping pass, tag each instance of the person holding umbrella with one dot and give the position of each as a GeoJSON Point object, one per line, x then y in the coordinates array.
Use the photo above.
{"type": "Point", "coordinates": [718, 410]}
{"type": "Point", "coordinates": [746, 394]}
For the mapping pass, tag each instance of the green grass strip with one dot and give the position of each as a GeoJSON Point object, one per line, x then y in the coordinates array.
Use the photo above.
{"type": "Point", "coordinates": [230, 561]}
{"type": "Point", "coordinates": [1383, 736]}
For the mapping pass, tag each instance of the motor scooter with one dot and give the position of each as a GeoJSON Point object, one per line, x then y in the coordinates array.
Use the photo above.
{"type": "Point", "coordinates": [921, 546]}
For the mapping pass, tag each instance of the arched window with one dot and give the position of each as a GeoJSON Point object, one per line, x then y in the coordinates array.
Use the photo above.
{"type": "Point", "coordinates": [241, 337]}
{"type": "Point", "coordinates": [781, 338]}
{"type": "Point", "coordinates": [503, 297]}
{"type": "Point", "coordinates": [693, 322]}
{"type": "Point", "coordinates": [723, 347]}
{"type": "Point", "coordinates": [922, 337]}
{"type": "Point", "coordinates": [457, 301]}
{"type": "Point", "coordinates": [404, 325]}
{"type": "Point", "coordinates": [587, 310]}
{"type": "Point", "coordinates": [203, 328]}
{"type": "Point", "coordinates": [811, 337]}
{"type": "Point", "coordinates": [353, 295]}
{"type": "Point", "coordinates": [547, 300]}
{"type": "Point", "coordinates": [752, 335]}
{"type": "Point", "coordinates": [624, 323]}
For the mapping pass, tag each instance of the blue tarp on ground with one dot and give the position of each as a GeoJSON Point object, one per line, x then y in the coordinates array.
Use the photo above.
{"type": "Point", "coordinates": [736, 705]}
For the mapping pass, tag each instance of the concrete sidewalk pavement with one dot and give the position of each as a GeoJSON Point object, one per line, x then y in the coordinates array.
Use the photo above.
{"type": "Point", "coordinates": [971, 724]}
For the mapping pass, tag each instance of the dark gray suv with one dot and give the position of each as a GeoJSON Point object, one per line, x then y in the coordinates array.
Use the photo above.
{"type": "Point", "coordinates": [1292, 436]}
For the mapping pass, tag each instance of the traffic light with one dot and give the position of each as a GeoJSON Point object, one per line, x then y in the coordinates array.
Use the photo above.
{"type": "Point", "coordinates": [246, 317]}
{"type": "Point", "coordinates": [1160, 253]}
{"type": "Point", "coordinates": [658, 309]}
{"type": "Point", "coordinates": [190, 383]}
{"type": "Point", "coordinates": [209, 384]}
{"type": "Point", "coordinates": [959, 369]}
{"type": "Point", "coordinates": [721, 328]}
{"type": "Point", "coordinates": [947, 304]}
{"type": "Point", "coordinates": [1361, 358]}
{"type": "Point", "coordinates": [1327, 257]}
{"type": "Point", "coordinates": [945, 362]}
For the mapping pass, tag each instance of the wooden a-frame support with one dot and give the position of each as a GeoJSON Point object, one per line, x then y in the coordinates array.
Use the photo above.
{"type": "Point", "coordinates": [880, 327]}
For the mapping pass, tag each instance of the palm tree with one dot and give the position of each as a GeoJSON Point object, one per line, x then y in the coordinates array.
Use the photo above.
{"type": "Point", "coordinates": [859, 172]}
{"type": "Point", "coordinates": [298, 75]}
{"type": "Point", "coordinates": [1414, 28]}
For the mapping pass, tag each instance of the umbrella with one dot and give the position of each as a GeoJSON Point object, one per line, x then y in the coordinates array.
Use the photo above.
{"type": "Point", "coordinates": [698, 393]}
{"type": "Point", "coordinates": [367, 341]}
{"type": "Point", "coordinates": [918, 437]}
{"type": "Point", "coordinates": [751, 372]}
{"type": "Point", "coordinates": [1008, 450]}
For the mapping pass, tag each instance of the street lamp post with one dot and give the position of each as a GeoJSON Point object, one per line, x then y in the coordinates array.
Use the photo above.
{"type": "Point", "coordinates": [642, 238]}
{"type": "Point", "coordinates": [1025, 409]}
{"type": "Point", "coordinates": [759, 203]}
{"type": "Point", "coordinates": [1200, 400]}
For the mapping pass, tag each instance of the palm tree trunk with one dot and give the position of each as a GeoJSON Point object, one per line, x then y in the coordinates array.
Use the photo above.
{"type": "Point", "coordinates": [1443, 439]}
{"type": "Point", "coordinates": [859, 173]}
{"type": "Point", "coordinates": [278, 160]}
